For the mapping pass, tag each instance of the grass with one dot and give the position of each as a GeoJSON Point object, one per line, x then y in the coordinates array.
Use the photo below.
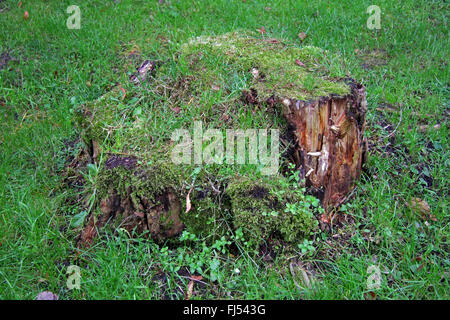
{"type": "Point", "coordinates": [404, 67]}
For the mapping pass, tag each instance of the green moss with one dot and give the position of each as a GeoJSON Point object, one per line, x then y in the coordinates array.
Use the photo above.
{"type": "Point", "coordinates": [276, 64]}
{"type": "Point", "coordinates": [141, 126]}
{"type": "Point", "coordinates": [144, 181]}
{"type": "Point", "coordinates": [97, 118]}
{"type": "Point", "coordinates": [260, 208]}
{"type": "Point", "coordinates": [207, 217]}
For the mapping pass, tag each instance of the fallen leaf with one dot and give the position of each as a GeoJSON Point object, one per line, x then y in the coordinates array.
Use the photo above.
{"type": "Point", "coordinates": [189, 290]}
{"type": "Point", "coordinates": [26, 15]}
{"type": "Point", "coordinates": [197, 278]}
{"type": "Point", "coordinates": [370, 295]}
{"type": "Point", "coordinates": [255, 73]}
{"type": "Point", "coordinates": [46, 295]}
{"type": "Point", "coordinates": [261, 30]}
{"type": "Point", "coordinates": [302, 36]}
{"type": "Point", "coordinates": [295, 269]}
{"type": "Point", "coordinates": [20, 4]}
{"type": "Point", "coordinates": [188, 202]}
{"type": "Point", "coordinates": [420, 206]}
{"type": "Point", "coordinates": [324, 218]}
{"type": "Point", "coordinates": [299, 63]}
{"type": "Point", "coordinates": [225, 117]}
{"type": "Point", "coordinates": [176, 110]}
{"type": "Point", "coordinates": [124, 93]}
{"type": "Point", "coordinates": [139, 214]}
{"type": "Point", "coordinates": [190, 287]}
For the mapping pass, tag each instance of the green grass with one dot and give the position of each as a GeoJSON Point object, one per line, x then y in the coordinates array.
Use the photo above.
{"type": "Point", "coordinates": [404, 66]}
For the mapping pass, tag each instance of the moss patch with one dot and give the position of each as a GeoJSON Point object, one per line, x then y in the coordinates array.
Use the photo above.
{"type": "Point", "coordinates": [261, 208]}
{"type": "Point", "coordinates": [277, 68]}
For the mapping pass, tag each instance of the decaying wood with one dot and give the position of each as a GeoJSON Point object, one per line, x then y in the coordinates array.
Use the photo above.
{"type": "Point", "coordinates": [329, 141]}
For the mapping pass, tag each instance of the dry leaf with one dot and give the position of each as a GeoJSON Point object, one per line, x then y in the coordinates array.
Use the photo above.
{"type": "Point", "coordinates": [324, 218]}
{"type": "Point", "coordinates": [370, 295]}
{"type": "Point", "coordinates": [422, 208]}
{"type": "Point", "coordinates": [176, 110]}
{"type": "Point", "coordinates": [261, 30]}
{"type": "Point", "coordinates": [139, 214]}
{"type": "Point", "coordinates": [299, 63]}
{"type": "Point", "coordinates": [294, 268]}
{"type": "Point", "coordinates": [302, 36]}
{"type": "Point", "coordinates": [124, 93]}
{"type": "Point", "coordinates": [188, 202]}
{"type": "Point", "coordinates": [20, 4]}
{"type": "Point", "coordinates": [189, 290]}
{"type": "Point", "coordinates": [190, 287]}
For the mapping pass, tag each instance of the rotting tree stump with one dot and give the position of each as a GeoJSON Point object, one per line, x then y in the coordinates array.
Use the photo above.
{"type": "Point", "coordinates": [330, 148]}
{"type": "Point", "coordinates": [325, 116]}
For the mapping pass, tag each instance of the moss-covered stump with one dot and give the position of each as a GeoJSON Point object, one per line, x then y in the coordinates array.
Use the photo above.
{"type": "Point", "coordinates": [137, 198]}
{"type": "Point", "coordinates": [325, 112]}
{"type": "Point", "coordinates": [237, 81]}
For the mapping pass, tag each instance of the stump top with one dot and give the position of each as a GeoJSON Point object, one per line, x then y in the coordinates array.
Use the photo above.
{"type": "Point", "coordinates": [303, 73]}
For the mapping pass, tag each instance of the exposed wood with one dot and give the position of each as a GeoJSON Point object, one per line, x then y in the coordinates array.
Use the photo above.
{"type": "Point", "coordinates": [329, 140]}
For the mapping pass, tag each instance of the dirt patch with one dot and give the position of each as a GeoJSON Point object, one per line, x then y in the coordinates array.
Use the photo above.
{"type": "Point", "coordinates": [5, 57]}
{"type": "Point", "coordinates": [374, 58]}
{"type": "Point", "coordinates": [115, 161]}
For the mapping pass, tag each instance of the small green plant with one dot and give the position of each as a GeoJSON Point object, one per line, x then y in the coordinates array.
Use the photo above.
{"type": "Point", "coordinates": [306, 247]}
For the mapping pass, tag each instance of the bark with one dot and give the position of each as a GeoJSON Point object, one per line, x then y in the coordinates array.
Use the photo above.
{"type": "Point", "coordinates": [329, 143]}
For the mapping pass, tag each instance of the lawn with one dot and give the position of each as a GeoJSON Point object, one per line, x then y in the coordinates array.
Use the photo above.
{"type": "Point", "coordinates": [47, 71]}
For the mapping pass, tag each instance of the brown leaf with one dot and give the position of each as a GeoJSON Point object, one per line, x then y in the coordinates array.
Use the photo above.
{"type": "Point", "coordinates": [139, 214]}
{"type": "Point", "coordinates": [124, 93]}
{"type": "Point", "coordinates": [420, 206]}
{"type": "Point", "coordinates": [190, 287]}
{"type": "Point", "coordinates": [299, 63]}
{"type": "Point", "coordinates": [189, 290]}
{"type": "Point", "coordinates": [324, 218]}
{"type": "Point", "coordinates": [176, 110]}
{"type": "Point", "coordinates": [370, 295]}
{"type": "Point", "coordinates": [302, 36]}
{"type": "Point", "coordinates": [20, 4]}
{"type": "Point", "coordinates": [261, 30]}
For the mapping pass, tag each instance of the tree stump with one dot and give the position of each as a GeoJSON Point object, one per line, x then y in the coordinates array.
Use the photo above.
{"type": "Point", "coordinates": [330, 148]}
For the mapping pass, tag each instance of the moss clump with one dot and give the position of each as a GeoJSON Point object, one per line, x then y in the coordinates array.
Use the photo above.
{"type": "Point", "coordinates": [97, 118]}
{"type": "Point", "coordinates": [207, 217]}
{"type": "Point", "coordinates": [139, 181]}
{"type": "Point", "coordinates": [277, 65]}
{"type": "Point", "coordinates": [263, 208]}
